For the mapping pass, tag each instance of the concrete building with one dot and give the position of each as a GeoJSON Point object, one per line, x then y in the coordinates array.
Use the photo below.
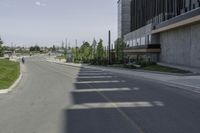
{"type": "Point", "coordinates": [161, 30]}
{"type": "Point", "coordinates": [124, 17]}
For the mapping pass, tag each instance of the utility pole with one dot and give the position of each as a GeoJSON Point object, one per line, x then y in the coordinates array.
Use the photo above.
{"type": "Point", "coordinates": [109, 43]}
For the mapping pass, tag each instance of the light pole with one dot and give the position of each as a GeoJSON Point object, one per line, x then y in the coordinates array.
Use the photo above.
{"type": "Point", "coordinates": [109, 42]}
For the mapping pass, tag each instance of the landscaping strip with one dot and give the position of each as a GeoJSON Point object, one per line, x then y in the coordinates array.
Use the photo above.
{"type": "Point", "coordinates": [9, 73]}
{"type": "Point", "coordinates": [160, 68]}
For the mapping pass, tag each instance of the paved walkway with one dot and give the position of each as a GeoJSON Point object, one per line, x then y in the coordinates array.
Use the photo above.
{"type": "Point", "coordinates": [180, 81]}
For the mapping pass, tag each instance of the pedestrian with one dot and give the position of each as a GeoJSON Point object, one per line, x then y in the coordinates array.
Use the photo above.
{"type": "Point", "coordinates": [23, 60]}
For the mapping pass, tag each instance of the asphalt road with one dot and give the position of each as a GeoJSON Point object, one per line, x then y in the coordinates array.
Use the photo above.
{"type": "Point", "coordinates": [53, 98]}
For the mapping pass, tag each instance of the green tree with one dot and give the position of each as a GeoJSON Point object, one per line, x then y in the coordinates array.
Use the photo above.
{"type": "Point", "coordinates": [85, 51]}
{"type": "Point", "coordinates": [76, 54]}
{"type": "Point", "coordinates": [119, 47]}
{"type": "Point", "coordinates": [1, 47]}
{"type": "Point", "coordinates": [100, 50]}
{"type": "Point", "coordinates": [35, 48]}
{"type": "Point", "coordinates": [93, 47]}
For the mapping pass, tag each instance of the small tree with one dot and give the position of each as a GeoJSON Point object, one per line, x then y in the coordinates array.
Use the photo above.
{"type": "Point", "coordinates": [93, 47]}
{"type": "Point", "coordinates": [100, 52]}
{"type": "Point", "coordinates": [119, 48]}
{"type": "Point", "coordinates": [35, 48]}
{"type": "Point", "coordinates": [1, 47]}
{"type": "Point", "coordinates": [86, 52]}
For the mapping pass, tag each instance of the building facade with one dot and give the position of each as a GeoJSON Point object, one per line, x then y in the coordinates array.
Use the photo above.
{"type": "Point", "coordinates": [161, 30]}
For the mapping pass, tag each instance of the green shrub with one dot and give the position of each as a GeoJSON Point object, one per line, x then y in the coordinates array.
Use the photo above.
{"type": "Point", "coordinates": [103, 62]}
{"type": "Point", "coordinates": [130, 66]}
{"type": "Point", "coordinates": [143, 63]}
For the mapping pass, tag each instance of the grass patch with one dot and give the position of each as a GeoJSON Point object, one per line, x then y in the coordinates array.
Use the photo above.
{"type": "Point", "coordinates": [9, 72]}
{"type": "Point", "coordinates": [163, 69]}
{"type": "Point", "coordinates": [117, 65]}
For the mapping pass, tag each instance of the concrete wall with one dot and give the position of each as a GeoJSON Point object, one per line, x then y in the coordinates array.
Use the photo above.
{"type": "Point", "coordinates": [181, 46]}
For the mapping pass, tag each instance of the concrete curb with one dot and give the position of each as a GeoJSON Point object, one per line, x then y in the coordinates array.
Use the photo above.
{"type": "Point", "coordinates": [61, 63]}
{"type": "Point", "coordinates": [136, 70]}
{"type": "Point", "coordinates": [4, 91]}
{"type": "Point", "coordinates": [147, 71]}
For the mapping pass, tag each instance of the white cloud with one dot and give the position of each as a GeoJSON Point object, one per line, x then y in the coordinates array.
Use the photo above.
{"type": "Point", "coordinates": [37, 3]}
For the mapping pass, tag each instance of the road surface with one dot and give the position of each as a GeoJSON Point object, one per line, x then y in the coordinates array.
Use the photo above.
{"type": "Point", "coordinates": [53, 98]}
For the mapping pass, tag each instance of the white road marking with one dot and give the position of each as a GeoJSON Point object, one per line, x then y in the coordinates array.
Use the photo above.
{"type": "Point", "coordinates": [95, 77]}
{"type": "Point", "coordinates": [136, 89]}
{"type": "Point", "coordinates": [91, 71]}
{"type": "Point", "coordinates": [83, 74]}
{"type": "Point", "coordinates": [102, 90]}
{"type": "Point", "coordinates": [89, 82]}
{"type": "Point", "coordinates": [140, 104]}
{"type": "Point", "coordinates": [158, 103]}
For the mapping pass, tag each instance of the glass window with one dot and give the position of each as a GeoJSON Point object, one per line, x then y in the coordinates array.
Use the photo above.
{"type": "Point", "coordinates": [143, 41]}
{"type": "Point", "coordinates": [128, 44]}
{"type": "Point", "coordinates": [149, 39]}
{"type": "Point", "coordinates": [134, 43]}
{"type": "Point", "coordinates": [131, 43]}
{"type": "Point", "coordinates": [138, 42]}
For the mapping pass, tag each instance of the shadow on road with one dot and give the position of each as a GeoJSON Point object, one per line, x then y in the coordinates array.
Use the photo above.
{"type": "Point", "coordinates": [107, 103]}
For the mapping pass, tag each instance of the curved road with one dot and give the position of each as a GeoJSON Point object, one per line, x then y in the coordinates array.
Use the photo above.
{"type": "Point", "coordinates": [53, 98]}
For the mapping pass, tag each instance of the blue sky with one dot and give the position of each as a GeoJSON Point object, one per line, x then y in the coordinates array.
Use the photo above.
{"type": "Point", "coordinates": [48, 22]}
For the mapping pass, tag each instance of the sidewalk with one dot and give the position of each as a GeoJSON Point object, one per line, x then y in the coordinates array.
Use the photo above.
{"type": "Point", "coordinates": [191, 83]}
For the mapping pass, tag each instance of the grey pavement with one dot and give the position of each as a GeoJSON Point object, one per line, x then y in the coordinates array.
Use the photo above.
{"type": "Point", "coordinates": [36, 104]}
{"type": "Point", "coordinates": [55, 98]}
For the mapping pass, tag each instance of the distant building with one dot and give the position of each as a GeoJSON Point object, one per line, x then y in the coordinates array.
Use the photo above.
{"type": "Point", "coordinates": [8, 54]}
{"type": "Point", "coordinates": [161, 30]}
